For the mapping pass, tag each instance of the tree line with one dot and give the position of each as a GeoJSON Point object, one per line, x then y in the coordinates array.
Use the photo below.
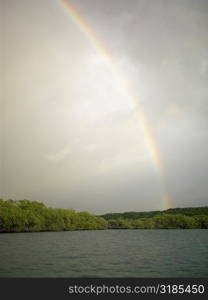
{"type": "Point", "coordinates": [161, 221]}
{"type": "Point", "coordinates": [31, 216]}
{"type": "Point", "coordinates": [132, 215]}
{"type": "Point", "coordinates": [25, 215]}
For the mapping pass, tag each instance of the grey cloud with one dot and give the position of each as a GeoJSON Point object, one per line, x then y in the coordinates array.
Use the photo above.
{"type": "Point", "coordinates": [69, 133]}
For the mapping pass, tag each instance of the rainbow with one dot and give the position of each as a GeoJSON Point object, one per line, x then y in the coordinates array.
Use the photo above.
{"type": "Point", "coordinates": [153, 150]}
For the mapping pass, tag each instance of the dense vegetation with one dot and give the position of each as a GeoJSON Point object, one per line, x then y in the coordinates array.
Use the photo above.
{"type": "Point", "coordinates": [162, 221]}
{"type": "Point", "coordinates": [133, 215]}
{"type": "Point", "coordinates": [173, 218]}
{"type": "Point", "coordinates": [25, 215]}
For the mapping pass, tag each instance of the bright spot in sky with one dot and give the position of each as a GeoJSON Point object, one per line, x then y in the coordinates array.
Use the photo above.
{"type": "Point", "coordinates": [103, 94]}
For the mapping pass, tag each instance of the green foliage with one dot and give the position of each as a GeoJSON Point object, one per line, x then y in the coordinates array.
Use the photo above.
{"type": "Point", "coordinates": [133, 215]}
{"type": "Point", "coordinates": [202, 221]}
{"type": "Point", "coordinates": [119, 224]}
{"type": "Point", "coordinates": [144, 223]}
{"type": "Point", "coordinates": [165, 221]}
{"type": "Point", "coordinates": [161, 221]}
{"type": "Point", "coordinates": [186, 211]}
{"type": "Point", "coordinates": [25, 215]}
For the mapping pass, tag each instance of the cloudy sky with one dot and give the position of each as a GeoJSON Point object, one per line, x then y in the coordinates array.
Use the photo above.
{"type": "Point", "coordinates": [69, 133]}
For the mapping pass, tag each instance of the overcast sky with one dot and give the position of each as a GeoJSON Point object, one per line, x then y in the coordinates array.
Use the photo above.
{"type": "Point", "coordinates": [68, 132]}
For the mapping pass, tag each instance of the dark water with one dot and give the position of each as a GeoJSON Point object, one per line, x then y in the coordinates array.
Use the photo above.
{"type": "Point", "coordinates": [108, 253]}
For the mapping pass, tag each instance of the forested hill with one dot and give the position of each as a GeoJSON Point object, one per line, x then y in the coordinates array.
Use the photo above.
{"type": "Point", "coordinates": [133, 215]}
